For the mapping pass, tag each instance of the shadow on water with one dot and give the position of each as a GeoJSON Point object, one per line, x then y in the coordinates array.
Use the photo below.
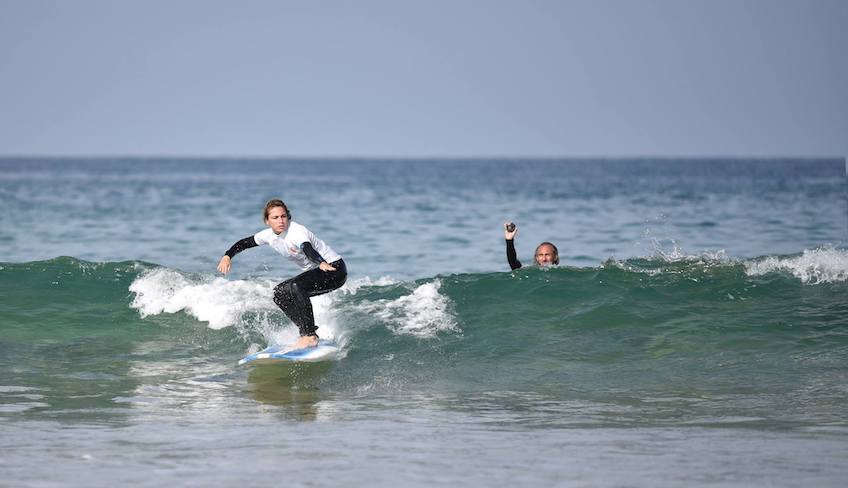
{"type": "Point", "coordinates": [292, 386]}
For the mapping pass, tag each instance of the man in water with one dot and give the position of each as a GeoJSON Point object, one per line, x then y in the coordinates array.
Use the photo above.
{"type": "Point", "coordinates": [546, 253]}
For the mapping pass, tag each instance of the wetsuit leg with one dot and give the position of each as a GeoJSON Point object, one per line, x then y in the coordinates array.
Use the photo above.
{"type": "Point", "coordinates": [292, 296]}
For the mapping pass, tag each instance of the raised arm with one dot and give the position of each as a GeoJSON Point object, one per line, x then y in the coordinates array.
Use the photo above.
{"type": "Point", "coordinates": [510, 231]}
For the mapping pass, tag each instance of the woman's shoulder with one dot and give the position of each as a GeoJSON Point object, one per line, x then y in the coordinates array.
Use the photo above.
{"type": "Point", "coordinates": [297, 227]}
{"type": "Point", "coordinates": [263, 236]}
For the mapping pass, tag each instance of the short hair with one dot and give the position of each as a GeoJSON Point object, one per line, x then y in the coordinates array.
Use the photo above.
{"type": "Point", "coordinates": [275, 202]}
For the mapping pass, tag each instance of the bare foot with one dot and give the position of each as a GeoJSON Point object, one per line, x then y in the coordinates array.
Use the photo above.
{"type": "Point", "coordinates": [306, 341]}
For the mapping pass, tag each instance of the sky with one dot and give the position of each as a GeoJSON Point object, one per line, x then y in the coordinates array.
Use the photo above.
{"type": "Point", "coordinates": [440, 78]}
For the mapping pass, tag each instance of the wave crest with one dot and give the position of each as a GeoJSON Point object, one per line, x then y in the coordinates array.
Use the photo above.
{"type": "Point", "coordinates": [824, 265]}
{"type": "Point", "coordinates": [218, 302]}
{"type": "Point", "coordinates": [249, 305]}
{"type": "Point", "coordinates": [423, 313]}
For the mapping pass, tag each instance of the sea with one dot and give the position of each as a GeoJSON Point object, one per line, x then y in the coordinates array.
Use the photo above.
{"type": "Point", "coordinates": [695, 332]}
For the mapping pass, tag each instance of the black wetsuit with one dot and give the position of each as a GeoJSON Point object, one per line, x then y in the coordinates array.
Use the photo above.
{"type": "Point", "coordinates": [511, 257]}
{"type": "Point", "coordinates": [292, 295]}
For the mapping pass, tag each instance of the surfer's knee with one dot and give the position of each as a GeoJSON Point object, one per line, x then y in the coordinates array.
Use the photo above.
{"type": "Point", "coordinates": [297, 292]}
{"type": "Point", "coordinates": [283, 294]}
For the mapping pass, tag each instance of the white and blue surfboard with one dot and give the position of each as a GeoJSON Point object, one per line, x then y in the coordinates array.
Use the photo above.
{"type": "Point", "coordinates": [324, 351]}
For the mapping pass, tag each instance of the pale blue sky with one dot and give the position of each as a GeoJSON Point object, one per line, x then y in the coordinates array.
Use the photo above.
{"type": "Point", "coordinates": [429, 78]}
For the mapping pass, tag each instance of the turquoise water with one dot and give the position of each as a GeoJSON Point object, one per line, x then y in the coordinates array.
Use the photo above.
{"type": "Point", "coordinates": [696, 333]}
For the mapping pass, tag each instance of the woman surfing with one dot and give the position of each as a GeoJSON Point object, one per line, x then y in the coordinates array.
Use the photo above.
{"type": "Point", "coordinates": [323, 270]}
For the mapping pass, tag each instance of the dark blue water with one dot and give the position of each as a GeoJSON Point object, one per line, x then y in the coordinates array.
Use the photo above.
{"type": "Point", "coordinates": [413, 219]}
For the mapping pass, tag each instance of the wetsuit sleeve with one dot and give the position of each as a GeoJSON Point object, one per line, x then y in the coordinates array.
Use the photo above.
{"type": "Point", "coordinates": [311, 253]}
{"type": "Point", "coordinates": [514, 263]}
{"type": "Point", "coordinates": [241, 245]}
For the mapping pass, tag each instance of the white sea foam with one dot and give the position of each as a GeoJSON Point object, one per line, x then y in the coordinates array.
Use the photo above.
{"type": "Point", "coordinates": [677, 254]}
{"type": "Point", "coordinates": [218, 301]}
{"type": "Point", "coordinates": [670, 251]}
{"type": "Point", "coordinates": [423, 313]}
{"type": "Point", "coordinates": [824, 265]}
{"type": "Point", "coordinates": [223, 303]}
{"type": "Point", "coordinates": [353, 286]}
{"type": "Point", "coordinates": [659, 261]}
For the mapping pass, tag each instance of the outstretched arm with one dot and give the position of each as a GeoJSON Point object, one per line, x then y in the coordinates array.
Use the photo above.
{"type": "Point", "coordinates": [226, 260]}
{"type": "Point", "coordinates": [510, 231]}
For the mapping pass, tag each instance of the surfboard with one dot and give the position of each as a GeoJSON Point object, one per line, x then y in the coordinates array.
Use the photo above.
{"type": "Point", "coordinates": [324, 351]}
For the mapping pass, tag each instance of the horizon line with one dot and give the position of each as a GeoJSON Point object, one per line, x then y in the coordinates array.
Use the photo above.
{"type": "Point", "coordinates": [401, 158]}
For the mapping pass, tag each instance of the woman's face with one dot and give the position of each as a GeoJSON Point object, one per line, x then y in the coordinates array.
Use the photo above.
{"type": "Point", "coordinates": [277, 220]}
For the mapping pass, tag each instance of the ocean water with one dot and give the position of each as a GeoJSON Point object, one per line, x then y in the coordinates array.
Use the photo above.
{"type": "Point", "coordinates": [695, 334]}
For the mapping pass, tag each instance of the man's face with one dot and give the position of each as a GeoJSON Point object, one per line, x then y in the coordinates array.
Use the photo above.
{"type": "Point", "coordinates": [545, 255]}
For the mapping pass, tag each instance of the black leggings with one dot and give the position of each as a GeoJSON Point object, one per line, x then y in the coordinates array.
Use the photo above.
{"type": "Point", "coordinates": [293, 295]}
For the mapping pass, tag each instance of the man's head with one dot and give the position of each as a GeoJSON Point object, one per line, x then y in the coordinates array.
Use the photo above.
{"type": "Point", "coordinates": [546, 254]}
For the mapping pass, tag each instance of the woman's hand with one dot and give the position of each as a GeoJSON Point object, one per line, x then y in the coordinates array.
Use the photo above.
{"type": "Point", "coordinates": [326, 267]}
{"type": "Point", "coordinates": [510, 234]}
{"type": "Point", "coordinates": [224, 264]}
